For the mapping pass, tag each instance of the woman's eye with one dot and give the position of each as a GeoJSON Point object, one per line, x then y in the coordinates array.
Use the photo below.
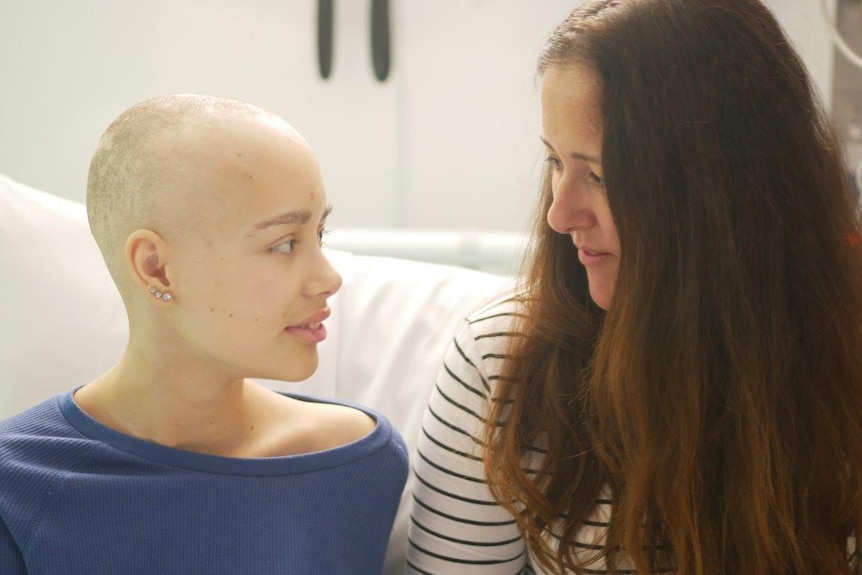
{"type": "Point", "coordinates": [598, 180]}
{"type": "Point", "coordinates": [320, 234]}
{"type": "Point", "coordinates": [284, 247]}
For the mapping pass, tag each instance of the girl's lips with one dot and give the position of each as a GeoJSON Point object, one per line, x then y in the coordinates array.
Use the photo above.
{"type": "Point", "coordinates": [311, 333]}
{"type": "Point", "coordinates": [314, 318]}
{"type": "Point", "coordinates": [589, 258]}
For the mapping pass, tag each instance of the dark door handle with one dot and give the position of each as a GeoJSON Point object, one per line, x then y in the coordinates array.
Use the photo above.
{"type": "Point", "coordinates": [380, 40]}
{"type": "Point", "coordinates": [325, 18]}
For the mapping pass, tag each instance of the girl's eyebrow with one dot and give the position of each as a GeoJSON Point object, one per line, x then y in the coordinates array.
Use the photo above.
{"type": "Point", "coordinates": [575, 155]}
{"type": "Point", "coordinates": [288, 218]}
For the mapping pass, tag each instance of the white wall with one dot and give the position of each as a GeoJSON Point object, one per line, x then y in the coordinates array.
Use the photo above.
{"type": "Point", "coordinates": [451, 141]}
{"type": "Point", "coordinates": [804, 22]}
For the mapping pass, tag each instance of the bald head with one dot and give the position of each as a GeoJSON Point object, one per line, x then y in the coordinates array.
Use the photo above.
{"type": "Point", "coordinates": [163, 161]}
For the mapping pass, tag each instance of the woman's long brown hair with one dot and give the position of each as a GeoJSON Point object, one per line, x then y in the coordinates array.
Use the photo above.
{"type": "Point", "coordinates": [720, 396]}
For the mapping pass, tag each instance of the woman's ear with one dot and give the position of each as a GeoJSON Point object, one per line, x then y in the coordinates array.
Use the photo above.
{"type": "Point", "coordinates": [146, 255]}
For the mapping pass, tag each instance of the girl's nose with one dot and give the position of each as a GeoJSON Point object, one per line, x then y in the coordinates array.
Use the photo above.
{"type": "Point", "coordinates": [326, 280]}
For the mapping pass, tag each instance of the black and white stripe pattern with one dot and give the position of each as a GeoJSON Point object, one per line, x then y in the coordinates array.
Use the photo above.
{"type": "Point", "coordinates": [456, 525]}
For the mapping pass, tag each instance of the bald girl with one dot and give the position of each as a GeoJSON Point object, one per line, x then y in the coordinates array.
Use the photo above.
{"type": "Point", "coordinates": [209, 214]}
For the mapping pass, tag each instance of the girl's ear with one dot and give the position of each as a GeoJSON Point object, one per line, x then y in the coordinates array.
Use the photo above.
{"type": "Point", "coordinates": [146, 255]}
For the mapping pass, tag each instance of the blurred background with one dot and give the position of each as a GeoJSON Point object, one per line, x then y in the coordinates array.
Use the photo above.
{"type": "Point", "coordinates": [424, 113]}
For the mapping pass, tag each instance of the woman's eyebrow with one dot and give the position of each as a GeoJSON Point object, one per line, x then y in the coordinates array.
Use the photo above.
{"type": "Point", "coordinates": [575, 155]}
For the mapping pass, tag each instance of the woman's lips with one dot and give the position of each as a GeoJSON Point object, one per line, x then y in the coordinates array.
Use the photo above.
{"type": "Point", "coordinates": [590, 258]}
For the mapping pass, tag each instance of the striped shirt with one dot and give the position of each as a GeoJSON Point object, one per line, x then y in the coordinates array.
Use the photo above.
{"type": "Point", "coordinates": [456, 525]}
{"type": "Point", "coordinates": [457, 528]}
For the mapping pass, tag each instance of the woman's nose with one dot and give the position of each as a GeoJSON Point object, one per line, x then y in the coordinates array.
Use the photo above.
{"type": "Point", "coordinates": [569, 211]}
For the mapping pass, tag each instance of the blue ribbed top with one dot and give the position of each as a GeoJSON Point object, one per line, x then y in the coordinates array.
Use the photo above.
{"type": "Point", "coordinates": [77, 497]}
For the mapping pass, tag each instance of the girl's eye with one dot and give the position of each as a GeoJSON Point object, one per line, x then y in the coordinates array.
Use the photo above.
{"type": "Point", "coordinates": [555, 163]}
{"type": "Point", "coordinates": [284, 247]}
{"type": "Point", "coordinates": [320, 234]}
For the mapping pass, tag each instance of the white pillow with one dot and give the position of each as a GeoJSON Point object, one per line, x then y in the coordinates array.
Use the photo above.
{"type": "Point", "coordinates": [62, 322]}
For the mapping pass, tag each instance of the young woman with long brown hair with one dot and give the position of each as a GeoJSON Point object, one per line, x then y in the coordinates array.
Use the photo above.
{"type": "Point", "coordinates": [678, 385]}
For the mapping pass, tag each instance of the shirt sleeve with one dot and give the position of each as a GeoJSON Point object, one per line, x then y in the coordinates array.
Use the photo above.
{"type": "Point", "coordinates": [456, 526]}
{"type": "Point", "coordinates": [11, 561]}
